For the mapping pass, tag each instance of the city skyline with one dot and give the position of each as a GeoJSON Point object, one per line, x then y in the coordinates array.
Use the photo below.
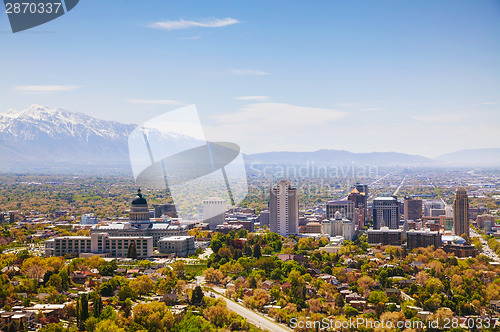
{"type": "Point", "coordinates": [378, 77]}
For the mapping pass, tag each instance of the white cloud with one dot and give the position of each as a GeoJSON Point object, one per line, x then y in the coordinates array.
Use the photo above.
{"type": "Point", "coordinates": [490, 103]}
{"type": "Point", "coordinates": [449, 117]}
{"type": "Point", "coordinates": [272, 125]}
{"type": "Point", "coordinates": [372, 109]}
{"type": "Point", "coordinates": [44, 89]}
{"type": "Point", "coordinates": [256, 98]}
{"type": "Point", "coordinates": [248, 72]}
{"type": "Point", "coordinates": [279, 113]}
{"type": "Point", "coordinates": [183, 24]}
{"type": "Point", "coordinates": [155, 101]}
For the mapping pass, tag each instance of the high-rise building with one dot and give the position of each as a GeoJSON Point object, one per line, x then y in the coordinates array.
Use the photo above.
{"type": "Point", "coordinates": [432, 204]}
{"type": "Point", "coordinates": [412, 208]}
{"type": "Point", "coordinates": [482, 218]}
{"type": "Point", "coordinates": [214, 211]}
{"type": "Point", "coordinates": [284, 209]}
{"type": "Point", "coordinates": [385, 212]}
{"type": "Point", "coordinates": [438, 212]}
{"type": "Point", "coordinates": [359, 200]}
{"type": "Point", "coordinates": [264, 218]}
{"type": "Point", "coordinates": [346, 208]}
{"type": "Point", "coordinates": [461, 213]}
{"type": "Point", "coordinates": [362, 188]}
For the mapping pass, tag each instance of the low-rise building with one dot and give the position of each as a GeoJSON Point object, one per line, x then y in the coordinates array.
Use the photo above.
{"type": "Point", "coordinates": [385, 236]}
{"type": "Point", "coordinates": [99, 243]}
{"type": "Point", "coordinates": [423, 238]}
{"type": "Point", "coordinates": [178, 245]}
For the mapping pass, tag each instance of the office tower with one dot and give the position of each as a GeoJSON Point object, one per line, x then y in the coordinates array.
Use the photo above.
{"type": "Point", "coordinates": [284, 209]}
{"type": "Point", "coordinates": [461, 213]}
{"type": "Point", "coordinates": [412, 208]}
{"type": "Point", "coordinates": [338, 226]}
{"type": "Point", "coordinates": [213, 211]}
{"type": "Point", "coordinates": [438, 212]}
{"type": "Point", "coordinates": [165, 210]}
{"type": "Point", "coordinates": [484, 217]}
{"type": "Point", "coordinates": [89, 219]}
{"type": "Point", "coordinates": [346, 208]}
{"type": "Point", "coordinates": [359, 200]}
{"type": "Point", "coordinates": [362, 188]}
{"type": "Point", "coordinates": [264, 218]}
{"type": "Point", "coordinates": [385, 212]}
{"type": "Point", "coordinates": [432, 204]}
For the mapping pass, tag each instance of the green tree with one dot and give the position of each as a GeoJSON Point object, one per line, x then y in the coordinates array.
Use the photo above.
{"type": "Point", "coordinates": [256, 251]}
{"type": "Point", "coordinates": [97, 309]}
{"type": "Point", "coordinates": [197, 297]}
{"type": "Point", "coordinates": [107, 268]}
{"type": "Point", "coordinates": [82, 310]}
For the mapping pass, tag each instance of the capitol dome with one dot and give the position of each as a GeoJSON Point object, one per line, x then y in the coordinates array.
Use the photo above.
{"type": "Point", "coordinates": [138, 199]}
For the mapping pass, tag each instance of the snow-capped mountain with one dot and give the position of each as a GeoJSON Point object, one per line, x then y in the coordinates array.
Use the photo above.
{"type": "Point", "coordinates": [41, 134]}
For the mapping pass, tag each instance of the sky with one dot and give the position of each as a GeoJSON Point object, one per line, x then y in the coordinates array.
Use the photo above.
{"type": "Point", "coordinates": [419, 77]}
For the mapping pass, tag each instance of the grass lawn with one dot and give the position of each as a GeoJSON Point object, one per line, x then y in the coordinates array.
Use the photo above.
{"type": "Point", "coordinates": [195, 269]}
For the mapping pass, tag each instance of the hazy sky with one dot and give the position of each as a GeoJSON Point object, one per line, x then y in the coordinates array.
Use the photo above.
{"type": "Point", "coordinates": [420, 77]}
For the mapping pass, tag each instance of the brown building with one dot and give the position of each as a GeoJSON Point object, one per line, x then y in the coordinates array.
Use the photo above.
{"type": "Point", "coordinates": [461, 213]}
{"type": "Point", "coordinates": [423, 238]}
{"type": "Point", "coordinates": [247, 224]}
{"type": "Point", "coordinates": [482, 218]}
{"type": "Point", "coordinates": [461, 250]}
{"type": "Point", "coordinates": [360, 202]}
{"type": "Point", "coordinates": [313, 228]}
{"type": "Point", "coordinates": [412, 208]}
{"type": "Point", "coordinates": [385, 236]}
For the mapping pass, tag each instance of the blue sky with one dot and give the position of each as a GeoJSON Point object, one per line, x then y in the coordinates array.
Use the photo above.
{"type": "Point", "coordinates": [420, 77]}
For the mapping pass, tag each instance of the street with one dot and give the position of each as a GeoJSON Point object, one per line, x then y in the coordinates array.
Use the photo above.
{"type": "Point", "coordinates": [254, 318]}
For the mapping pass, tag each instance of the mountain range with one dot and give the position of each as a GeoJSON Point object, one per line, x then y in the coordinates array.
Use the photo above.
{"type": "Point", "coordinates": [41, 138]}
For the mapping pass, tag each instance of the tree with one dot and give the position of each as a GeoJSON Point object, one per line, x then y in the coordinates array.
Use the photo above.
{"type": "Point", "coordinates": [153, 316]}
{"type": "Point", "coordinates": [212, 275]}
{"type": "Point", "coordinates": [107, 268]}
{"type": "Point", "coordinates": [256, 251]}
{"type": "Point", "coordinates": [97, 306]}
{"type": "Point", "coordinates": [350, 311]}
{"type": "Point", "coordinates": [142, 284]}
{"type": "Point", "coordinates": [106, 289]}
{"type": "Point", "coordinates": [126, 292]}
{"type": "Point", "coordinates": [132, 251]}
{"type": "Point", "coordinates": [82, 310]}
{"type": "Point", "coordinates": [339, 301]}
{"type": "Point", "coordinates": [178, 268]}
{"type": "Point", "coordinates": [376, 297]}
{"type": "Point", "coordinates": [197, 297]}
{"type": "Point", "coordinates": [108, 326]}
{"type": "Point", "coordinates": [91, 323]}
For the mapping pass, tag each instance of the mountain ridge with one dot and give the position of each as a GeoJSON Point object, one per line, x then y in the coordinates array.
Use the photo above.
{"type": "Point", "coordinates": [39, 135]}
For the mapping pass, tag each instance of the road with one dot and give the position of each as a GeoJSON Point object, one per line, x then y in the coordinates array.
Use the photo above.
{"type": "Point", "coordinates": [399, 187]}
{"type": "Point", "coordinates": [406, 297]}
{"type": "Point", "coordinates": [486, 248]}
{"type": "Point", "coordinates": [254, 318]}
